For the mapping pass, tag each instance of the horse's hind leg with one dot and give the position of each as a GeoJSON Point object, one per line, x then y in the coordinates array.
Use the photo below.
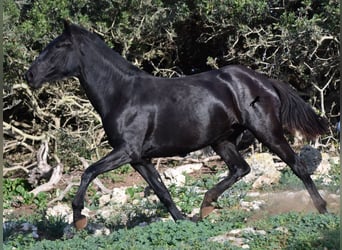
{"type": "Point", "coordinates": [273, 138]}
{"type": "Point", "coordinates": [152, 177]}
{"type": "Point", "coordinates": [238, 168]}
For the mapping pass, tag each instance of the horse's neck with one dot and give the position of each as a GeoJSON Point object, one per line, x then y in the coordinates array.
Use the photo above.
{"type": "Point", "coordinates": [105, 80]}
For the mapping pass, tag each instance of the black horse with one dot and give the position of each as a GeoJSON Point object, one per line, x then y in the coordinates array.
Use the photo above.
{"type": "Point", "coordinates": [146, 116]}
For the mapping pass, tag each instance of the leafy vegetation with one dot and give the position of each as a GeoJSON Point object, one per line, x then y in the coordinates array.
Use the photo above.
{"type": "Point", "coordinates": [16, 194]}
{"type": "Point", "coordinates": [286, 231]}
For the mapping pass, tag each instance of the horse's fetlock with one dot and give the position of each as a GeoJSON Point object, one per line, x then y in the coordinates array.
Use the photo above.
{"type": "Point", "coordinates": [243, 171]}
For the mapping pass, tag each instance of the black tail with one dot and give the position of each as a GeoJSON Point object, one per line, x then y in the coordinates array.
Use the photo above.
{"type": "Point", "coordinates": [298, 115]}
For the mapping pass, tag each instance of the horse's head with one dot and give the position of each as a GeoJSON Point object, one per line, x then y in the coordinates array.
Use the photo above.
{"type": "Point", "coordinates": [58, 60]}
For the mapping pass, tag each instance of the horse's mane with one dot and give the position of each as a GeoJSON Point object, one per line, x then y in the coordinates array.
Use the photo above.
{"type": "Point", "coordinates": [109, 54]}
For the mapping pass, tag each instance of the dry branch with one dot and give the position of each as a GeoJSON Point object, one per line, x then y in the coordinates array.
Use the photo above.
{"type": "Point", "coordinates": [8, 128]}
{"type": "Point", "coordinates": [43, 169]}
{"type": "Point", "coordinates": [55, 178]}
{"type": "Point", "coordinates": [62, 195]}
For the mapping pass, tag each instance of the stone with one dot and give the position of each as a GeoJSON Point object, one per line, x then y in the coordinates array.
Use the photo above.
{"type": "Point", "coordinates": [104, 200]}
{"type": "Point", "coordinates": [324, 166]}
{"type": "Point", "coordinates": [119, 195]}
{"type": "Point", "coordinates": [311, 157]}
{"type": "Point", "coordinates": [60, 210]}
{"type": "Point", "coordinates": [98, 230]}
{"type": "Point", "coordinates": [282, 229]}
{"type": "Point", "coordinates": [176, 175]}
{"type": "Point", "coordinates": [263, 170]}
{"type": "Point", "coordinates": [252, 205]}
{"type": "Point", "coordinates": [235, 238]}
{"type": "Point", "coordinates": [267, 179]}
{"type": "Point", "coordinates": [28, 227]}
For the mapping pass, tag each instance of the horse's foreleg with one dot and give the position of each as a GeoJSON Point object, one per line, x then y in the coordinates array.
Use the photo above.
{"type": "Point", "coordinates": [152, 177]}
{"type": "Point", "coordinates": [113, 160]}
{"type": "Point", "coordinates": [238, 168]}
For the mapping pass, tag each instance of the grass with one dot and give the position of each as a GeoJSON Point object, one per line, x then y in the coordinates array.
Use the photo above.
{"type": "Point", "coordinates": [302, 231]}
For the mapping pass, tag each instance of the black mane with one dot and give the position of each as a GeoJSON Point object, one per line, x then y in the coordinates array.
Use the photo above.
{"type": "Point", "coordinates": [91, 39]}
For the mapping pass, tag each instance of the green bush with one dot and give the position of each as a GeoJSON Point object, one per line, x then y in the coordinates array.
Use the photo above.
{"type": "Point", "coordinates": [16, 193]}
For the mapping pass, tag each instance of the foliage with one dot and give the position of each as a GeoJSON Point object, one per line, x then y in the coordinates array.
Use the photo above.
{"type": "Point", "coordinates": [15, 194]}
{"type": "Point", "coordinates": [52, 226]}
{"type": "Point", "coordinates": [299, 231]}
{"type": "Point", "coordinates": [186, 197]}
{"type": "Point", "coordinates": [309, 231]}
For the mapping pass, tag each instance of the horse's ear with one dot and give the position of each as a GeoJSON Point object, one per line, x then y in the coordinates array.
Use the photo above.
{"type": "Point", "coordinates": [66, 26]}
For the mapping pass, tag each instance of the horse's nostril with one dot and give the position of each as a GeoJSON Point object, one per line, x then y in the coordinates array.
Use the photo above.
{"type": "Point", "coordinates": [29, 76]}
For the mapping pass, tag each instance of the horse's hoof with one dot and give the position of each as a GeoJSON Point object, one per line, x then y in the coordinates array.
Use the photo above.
{"type": "Point", "coordinates": [195, 218]}
{"type": "Point", "coordinates": [81, 223]}
{"type": "Point", "coordinates": [205, 211]}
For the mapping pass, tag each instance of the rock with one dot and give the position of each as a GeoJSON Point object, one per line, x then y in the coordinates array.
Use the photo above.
{"type": "Point", "coordinates": [92, 228]}
{"type": "Point", "coordinates": [311, 157]}
{"type": "Point", "coordinates": [9, 226]}
{"type": "Point", "coordinates": [263, 170]}
{"type": "Point", "coordinates": [143, 224]}
{"type": "Point", "coordinates": [119, 195]}
{"type": "Point", "coordinates": [189, 168]}
{"type": "Point", "coordinates": [284, 230]}
{"type": "Point", "coordinates": [60, 210]}
{"type": "Point", "coordinates": [28, 227]}
{"type": "Point", "coordinates": [324, 166]}
{"type": "Point", "coordinates": [253, 194]}
{"type": "Point", "coordinates": [235, 237]}
{"type": "Point", "coordinates": [195, 212]}
{"type": "Point", "coordinates": [104, 200]}
{"type": "Point", "coordinates": [252, 205]}
{"type": "Point", "coordinates": [236, 241]}
{"type": "Point", "coordinates": [319, 165]}
{"type": "Point", "coordinates": [172, 176]}
{"type": "Point", "coordinates": [98, 230]}
{"type": "Point", "coordinates": [105, 213]}
{"type": "Point", "coordinates": [176, 175]}
{"type": "Point", "coordinates": [267, 179]}
{"type": "Point", "coordinates": [249, 230]}
{"type": "Point", "coordinates": [69, 231]}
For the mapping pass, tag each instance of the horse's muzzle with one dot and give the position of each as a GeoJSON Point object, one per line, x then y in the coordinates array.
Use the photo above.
{"type": "Point", "coordinates": [29, 76]}
{"type": "Point", "coordinates": [30, 79]}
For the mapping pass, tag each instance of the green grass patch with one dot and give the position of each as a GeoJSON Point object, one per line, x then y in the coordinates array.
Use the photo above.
{"type": "Point", "coordinates": [285, 231]}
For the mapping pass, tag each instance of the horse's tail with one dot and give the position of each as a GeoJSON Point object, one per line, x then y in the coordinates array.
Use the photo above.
{"type": "Point", "coordinates": [297, 115]}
